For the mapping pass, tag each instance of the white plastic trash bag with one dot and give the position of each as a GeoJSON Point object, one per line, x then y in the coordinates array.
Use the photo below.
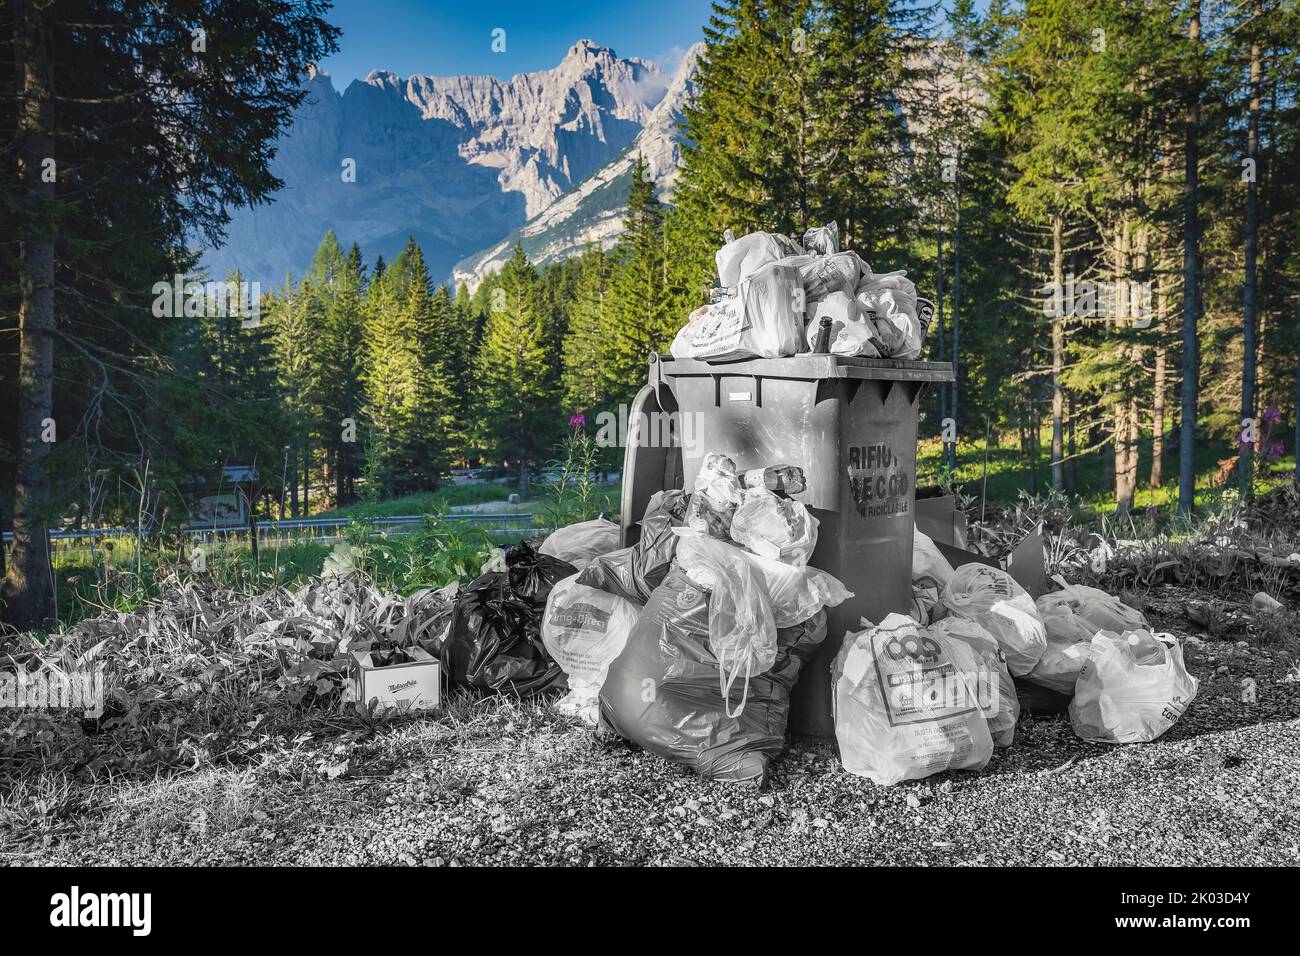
{"type": "Point", "coordinates": [1132, 689]}
{"type": "Point", "coordinates": [905, 704]}
{"type": "Point", "coordinates": [764, 319]}
{"type": "Point", "coordinates": [995, 690]}
{"type": "Point", "coordinates": [773, 299]}
{"type": "Point", "coordinates": [851, 334]}
{"type": "Point", "coordinates": [581, 543]}
{"type": "Point", "coordinates": [823, 275]}
{"type": "Point", "coordinates": [742, 628]}
{"type": "Point", "coordinates": [776, 528]}
{"type": "Point", "coordinates": [794, 594]}
{"type": "Point", "coordinates": [992, 599]}
{"type": "Point", "coordinates": [822, 240]}
{"type": "Point", "coordinates": [1072, 616]}
{"type": "Point", "coordinates": [1069, 641]}
{"type": "Point", "coordinates": [584, 629]}
{"type": "Point", "coordinates": [892, 297]}
{"type": "Point", "coordinates": [929, 567]}
{"type": "Point", "coordinates": [711, 331]}
{"type": "Point", "coordinates": [743, 257]}
{"type": "Point", "coordinates": [1099, 610]}
{"type": "Point", "coordinates": [931, 573]}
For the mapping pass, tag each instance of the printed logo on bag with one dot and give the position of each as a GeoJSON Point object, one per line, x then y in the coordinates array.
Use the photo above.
{"type": "Point", "coordinates": [919, 684]}
{"type": "Point", "coordinates": [1174, 710]}
{"type": "Point", "coordinates": [923, 650]}
{"type": "Point", "coordinates": [879, 484]}
{"type": "Point", "coordinates": [721, 326]}
{"type": "Point", "coordinates": [581, 617]}
{"type": "Point", "coordinates": [687, 598]}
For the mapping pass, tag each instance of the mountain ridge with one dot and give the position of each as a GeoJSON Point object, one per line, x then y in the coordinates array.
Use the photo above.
{"type": "Point", "coordinates": [593, 211]}
{"type": "Point", "coordinates": [456, 162]}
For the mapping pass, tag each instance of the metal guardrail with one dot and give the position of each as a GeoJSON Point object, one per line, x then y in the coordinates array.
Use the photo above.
{"type": "Point", "coordinates": [401, 524]}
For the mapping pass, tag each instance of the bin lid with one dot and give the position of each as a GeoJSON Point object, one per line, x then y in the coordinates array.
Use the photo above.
{"type": "Point", "coordinates": [810, 366]}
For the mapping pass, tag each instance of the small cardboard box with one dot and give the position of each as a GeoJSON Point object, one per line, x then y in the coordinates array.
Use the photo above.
{"type": "Point", "coordinates": [414, 685]}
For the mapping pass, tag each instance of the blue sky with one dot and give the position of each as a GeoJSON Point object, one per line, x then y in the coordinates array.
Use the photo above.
{"type": "Point", "coordinates": [454, 37]}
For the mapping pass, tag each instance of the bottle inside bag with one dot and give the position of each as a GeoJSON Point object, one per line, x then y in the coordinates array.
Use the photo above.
{"type": "Point", "coordinates": [1146, 649]}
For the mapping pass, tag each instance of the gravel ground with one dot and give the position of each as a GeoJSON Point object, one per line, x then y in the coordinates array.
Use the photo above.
{"type": "Point", "coordinates": [512, 784]}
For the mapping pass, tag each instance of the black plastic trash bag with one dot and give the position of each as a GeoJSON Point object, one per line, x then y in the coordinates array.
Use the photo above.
{"type": "Point", "coordinates": [495, 641]}
{"type": "Point", "coordinates": [634, 572]}
{"type": "Point", "coordinates": [662, 692]}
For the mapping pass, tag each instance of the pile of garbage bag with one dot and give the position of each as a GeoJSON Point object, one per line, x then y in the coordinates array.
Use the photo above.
{"type": "Point", "coordinates": [779, 297]}
{"type": "Point", "coordinates": [727, 611]}
{"type": "Point", "coordinates": [705, 677]}
{"type": "Point", "coordinates": [1120, 682]}
{"type": "Point", "coordinates": [689, 642]}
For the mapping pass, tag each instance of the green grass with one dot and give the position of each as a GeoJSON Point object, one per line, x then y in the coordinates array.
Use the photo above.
{"type": "Point", "coordinates": [1009, 474]}
{"type": "Point", "coordinates": [105, 578]}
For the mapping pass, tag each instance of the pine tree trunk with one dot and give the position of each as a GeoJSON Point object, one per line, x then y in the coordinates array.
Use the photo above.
{"type": "Point", "coordinates": [1034, 424]}
{"type": "Point", "coordinates": [1126, 439]}
{"type": "Point", "coordinates": [1191, 278]}
{"type": "Point", "coordinates": [941, 343]}
{"type": "Point", "coordinates": [1058, 352]}
{"type": "Point", "coordinates": [1108, 459]}
{"type": "Point", "coordinates": [29, 580]}
{"type": "Point", "coordinates": [306, 480]}
{"type": "Point", "coordinates": [340, 475]}
{"type": "Point", "coordinates": [1071, 464]}
{"type": "Point", "coordinates": [1161, 376]}
{"type": "Point", "coordinates": [1248, 303]}
{"type": "Point", "coordinates": [956, 318]}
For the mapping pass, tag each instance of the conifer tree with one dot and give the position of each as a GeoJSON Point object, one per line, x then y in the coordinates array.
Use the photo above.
{"type": "Point", "coordinates": [515, 412]}
{"type": "Point", "coordinates": [585, 351]}
{"type": "Point", "coordinates": [637, 316]}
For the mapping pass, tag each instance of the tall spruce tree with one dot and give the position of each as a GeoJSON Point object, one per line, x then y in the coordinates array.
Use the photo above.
{"type": "Point", "coordinates": [104, 193]}
{"type": "Point", "coordinates": [515, 412]}
{"type": "Point", "coordinates": [637, 318]}
{"type": "Point", "coordinates": [585, 347]}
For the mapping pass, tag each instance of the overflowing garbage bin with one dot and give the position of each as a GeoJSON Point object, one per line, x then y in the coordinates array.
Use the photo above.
{"type": "Point", "coordinates": [849, 422]}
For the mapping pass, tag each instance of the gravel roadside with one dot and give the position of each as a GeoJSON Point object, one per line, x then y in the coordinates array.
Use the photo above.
{"type": "Point", "coordinates": [513, 784]}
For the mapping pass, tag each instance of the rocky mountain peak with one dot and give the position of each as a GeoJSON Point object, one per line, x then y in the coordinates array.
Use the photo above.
{"type": "Point", "coordinates": [459, 162]}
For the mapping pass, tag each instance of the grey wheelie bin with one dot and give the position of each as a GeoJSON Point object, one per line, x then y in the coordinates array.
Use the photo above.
{"type": "Point", "coordinates": [850, 423]}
